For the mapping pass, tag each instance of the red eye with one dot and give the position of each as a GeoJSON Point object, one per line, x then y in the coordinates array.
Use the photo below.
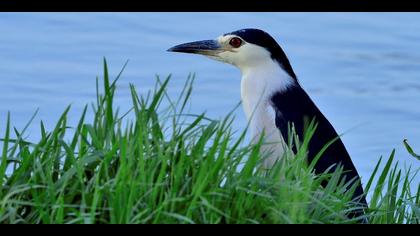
{"type": "Point", "coordinates": [235, 42]}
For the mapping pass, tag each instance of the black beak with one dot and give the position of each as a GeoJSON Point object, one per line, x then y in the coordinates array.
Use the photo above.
{"type": "Point", "coordinates": [204, 47]}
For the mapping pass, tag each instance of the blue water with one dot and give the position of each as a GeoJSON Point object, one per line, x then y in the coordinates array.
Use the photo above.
{"type": "Point", "coordinates": [361, 69]}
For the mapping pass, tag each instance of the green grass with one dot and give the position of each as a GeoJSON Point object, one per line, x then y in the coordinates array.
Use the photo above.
{"type": "Point", "coordinates": [159, 164]}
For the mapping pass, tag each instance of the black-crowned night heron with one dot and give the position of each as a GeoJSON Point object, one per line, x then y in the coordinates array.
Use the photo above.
{"type": "Point", "coordinates": [273, 99]}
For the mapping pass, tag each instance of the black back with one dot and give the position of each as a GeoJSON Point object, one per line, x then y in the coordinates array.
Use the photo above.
{"type": "Point", "coordinates": [294, 106]}
{"type": "Point", "coordinates": [263, 39]}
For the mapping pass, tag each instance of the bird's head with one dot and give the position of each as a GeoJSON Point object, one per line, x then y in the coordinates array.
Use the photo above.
{"type": "Point", "coordinates": [246, 48]}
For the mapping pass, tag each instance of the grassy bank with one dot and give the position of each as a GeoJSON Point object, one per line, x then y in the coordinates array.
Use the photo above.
{"type": "Point", "coordinates": [161, 165]}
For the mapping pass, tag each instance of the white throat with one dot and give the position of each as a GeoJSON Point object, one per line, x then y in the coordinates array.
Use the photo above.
{"type": "Point", "coordinates": [258, 84]}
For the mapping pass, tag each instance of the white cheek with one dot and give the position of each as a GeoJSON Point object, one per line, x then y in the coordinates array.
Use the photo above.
{"type": "Point", "coordinates": [252, 55]}
{"type": "Point", "coordinates": [245, 57]}
{"type": "Point", "coordinates": [227, 57]}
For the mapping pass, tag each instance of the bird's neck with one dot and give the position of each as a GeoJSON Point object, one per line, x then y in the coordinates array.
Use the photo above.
{"type": "Point", "coordinates": [258, 85]}
{"type": "Point", "coordinates": [259, 82]}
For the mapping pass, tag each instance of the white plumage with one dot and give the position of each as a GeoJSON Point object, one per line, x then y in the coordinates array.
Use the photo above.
{"type": "Point", "coordinates": [261, 78]}
{"type": "Point", "coordinates": [272, 99]}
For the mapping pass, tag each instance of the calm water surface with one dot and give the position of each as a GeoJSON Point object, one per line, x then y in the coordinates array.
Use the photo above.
{"type": "Point", "coordinates": [361, 69]}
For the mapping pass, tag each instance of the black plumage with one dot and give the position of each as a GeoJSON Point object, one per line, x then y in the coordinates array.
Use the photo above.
{"type": "Point", "coordinates": [291, 103]}
{"type": "Point", "coordinates": [293, 106]}
{"type": "Point", "coordinates": [263, 39]}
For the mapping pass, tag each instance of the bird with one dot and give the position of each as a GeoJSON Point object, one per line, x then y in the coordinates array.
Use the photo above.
{"type": "Point", "coordinates": [274, 100]}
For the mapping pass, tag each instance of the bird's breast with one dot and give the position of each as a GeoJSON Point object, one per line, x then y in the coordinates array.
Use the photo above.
{"type": "Point", "coordinates": [259, 112]}
{"type": "Point", "coordinates": [257, 87]}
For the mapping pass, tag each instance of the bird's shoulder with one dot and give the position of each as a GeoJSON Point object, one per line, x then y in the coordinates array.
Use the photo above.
{"type": "Point", "coordinates": [294, 107]}
{"type": "Point", "coordinates": [291, 105]}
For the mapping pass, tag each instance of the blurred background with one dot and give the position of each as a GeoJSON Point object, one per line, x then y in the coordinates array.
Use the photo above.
{"type": "Point", "coordinates": [361, 69]}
